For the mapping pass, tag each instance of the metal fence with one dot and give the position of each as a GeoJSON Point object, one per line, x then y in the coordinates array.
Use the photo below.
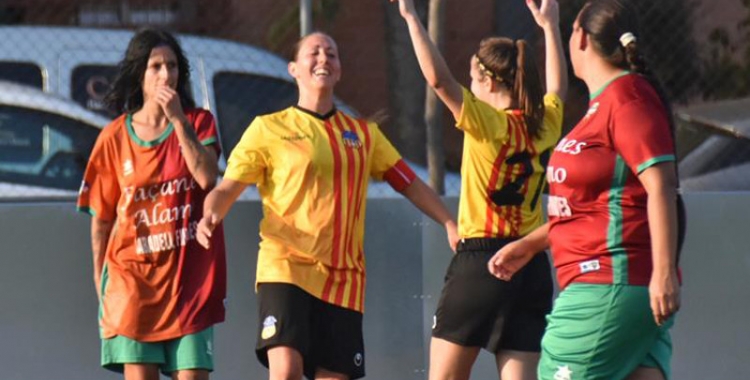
{"type": "Point", "coordinates": [68, 49]}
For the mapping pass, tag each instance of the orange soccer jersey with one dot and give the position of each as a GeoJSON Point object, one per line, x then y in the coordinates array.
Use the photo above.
{"type": "Point", "coordinates": [158, 283]}
{"type": "Point", "coordinates": [502, 170]}
{"type": "Point", "coordinates": [312, 173]}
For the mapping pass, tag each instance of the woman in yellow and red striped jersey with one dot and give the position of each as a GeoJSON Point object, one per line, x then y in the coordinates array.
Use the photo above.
{"type": "Point", "coordinates": [510, 128]}
{"type": "Point", "coordinates": [312, 163]}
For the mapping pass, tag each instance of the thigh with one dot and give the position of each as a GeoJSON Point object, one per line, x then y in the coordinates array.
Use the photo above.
{"type": "Point", "coordinates": [190, 352]}
{"type": "Point", "coordinates": [451, 361]}
{"type": "Point", "coordinates": [337, 344]}
{"type": "Point", "coordinates": [598, 332]}
{"type": "Point", "coordinates": [120, 350]}
{"type": "Point", "coordinates": [473, 303]}
{"type": "Point", "coordinates": [284, 317]}
{"type": "Point", "coordinates": [517, 365]}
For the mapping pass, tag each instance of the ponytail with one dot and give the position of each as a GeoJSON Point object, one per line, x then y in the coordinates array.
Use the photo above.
{"type": "Point", "coordinates": [527, 90]}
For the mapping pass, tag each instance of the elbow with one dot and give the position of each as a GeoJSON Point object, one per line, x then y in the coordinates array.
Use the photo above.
{"type": "Point", "coordinates": [207, 181]}
{"type": "Point", "coordinates": [435, 83]}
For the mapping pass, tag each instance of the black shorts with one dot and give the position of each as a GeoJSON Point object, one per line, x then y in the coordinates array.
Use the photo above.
{"type": "Point", "coordinates": [326, 335]}
{"type": "Point", "coordinates": [478, 310]}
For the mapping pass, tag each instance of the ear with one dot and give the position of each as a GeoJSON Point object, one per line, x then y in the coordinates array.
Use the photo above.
{"type": "Point", "coordinates": [292, 69]}
{"type": "Point", "coordinates": [583, 42]}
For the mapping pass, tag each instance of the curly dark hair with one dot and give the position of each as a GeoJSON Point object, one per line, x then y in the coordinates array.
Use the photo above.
{"type": "Point", "coordinates": [126, 93]}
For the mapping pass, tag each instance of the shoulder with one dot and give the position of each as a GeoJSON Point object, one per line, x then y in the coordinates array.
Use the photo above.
{"type": "Point", "coordinates": [633, 88]}
{"type": "Point", "coordinates": [114, 129]}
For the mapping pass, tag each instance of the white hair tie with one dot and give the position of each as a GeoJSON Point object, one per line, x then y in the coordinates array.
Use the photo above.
{"type": "Point", "coordinates": [626, 39]}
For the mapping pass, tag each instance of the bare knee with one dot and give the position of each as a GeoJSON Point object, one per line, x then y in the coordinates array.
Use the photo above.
{"type": "Point", "coordinates": [138, 371]}
{"type": "Point", "coordinates": [190, 374]}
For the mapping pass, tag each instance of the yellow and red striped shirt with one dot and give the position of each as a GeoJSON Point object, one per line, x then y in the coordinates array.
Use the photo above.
{"type": "Point", "coordinates": [502, 162]}
{"type": "Point", "coordinates": [312, 173]}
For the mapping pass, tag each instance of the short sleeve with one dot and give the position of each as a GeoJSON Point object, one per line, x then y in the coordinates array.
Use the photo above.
{"type": "Point", "coordinates": [387, 163]}
{"type": "Point", "coordinates": [553, 119]}
{"type": "Point", "coordinates": [250, 158]}
{"type": "Point", "coordinates": [641, 134]}
{"type": "Point", "coordinates": [100, 189]}
{"type": "Point", "coordinates": [481, 119]}
{"type": "Point", "coordinates": [205, 127]}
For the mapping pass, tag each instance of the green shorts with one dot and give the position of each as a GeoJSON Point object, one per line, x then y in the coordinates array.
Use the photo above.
{"type": "Point", "coordinates": [603, 332]}
{"type": "Point", "coordinates": [194, 351]}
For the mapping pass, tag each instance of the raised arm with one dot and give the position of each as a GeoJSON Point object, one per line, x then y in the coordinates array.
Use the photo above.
{"type": "Point", "coordinates": [427, 201]}
{"type": "Point", "coordinates": [433, 66]}
{"type": "Point", "coordinates": [202, 161]}
{"type": "Point", "coordinates": [547, 16]}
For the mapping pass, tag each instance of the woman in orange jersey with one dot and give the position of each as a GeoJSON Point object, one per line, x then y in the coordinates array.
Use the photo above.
{"type": "Point", "coordinates": [312, 164]}
{"type": "Point", "coordinates": [160, 292]}
{"type": "Point", "coordinates": [510, 127]}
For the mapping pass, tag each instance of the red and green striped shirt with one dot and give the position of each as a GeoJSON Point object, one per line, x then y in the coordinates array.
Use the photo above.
{"type": "Point", "coordinates": [597, 207]}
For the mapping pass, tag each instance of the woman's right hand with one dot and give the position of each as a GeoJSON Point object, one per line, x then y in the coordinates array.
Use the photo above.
{"type": "Point", "coordinates": [510, 259]}
{"type": "Point", "coordinates": [547, 14]}
{"type": "Point", "coordinates": [205, 228]}
{"type": "Point", "coordinates": [406, 7]}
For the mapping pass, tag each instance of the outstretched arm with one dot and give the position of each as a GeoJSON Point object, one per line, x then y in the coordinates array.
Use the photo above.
{"type": "Point", "coordinates": [433, 65]}
{"type": "Point", "coordinates": [215, 208]}
{"type": "Point", "coordinates": [430, 203]}
{"type": "Point", "coordinates": [513, 256]}
{"type": "Point", "coordinates": [547, 16]}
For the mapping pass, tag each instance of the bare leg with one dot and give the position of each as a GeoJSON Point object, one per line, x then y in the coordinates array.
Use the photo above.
{"type": "Point", "coordinates": [450, 361]}
{"type": "Point", "coordinates": [324, 374]}
{"type": "Point", "coordinates": [190, 374]}
{"type": "Point", "coordinates": [517, 365]}
{"type": "Point", "coordinates": [646, 373]}
{"type": "Point", "coordinates": [284, 363]}
{"type": "Point", "coordinates": [141, 371]}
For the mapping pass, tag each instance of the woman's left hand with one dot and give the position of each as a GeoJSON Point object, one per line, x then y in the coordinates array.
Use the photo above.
{"type": "Point", "coordinates": [664, 293]}
{"type": "Point", "coordinates": [169, 101]}
{"type": "Point", "coordinates": [452, 231]}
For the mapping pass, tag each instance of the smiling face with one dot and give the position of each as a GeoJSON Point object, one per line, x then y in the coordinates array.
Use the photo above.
{"type": "Point", "coordinates": [316, 66]}
{"type": "Point", "coordinates": [161, 70]}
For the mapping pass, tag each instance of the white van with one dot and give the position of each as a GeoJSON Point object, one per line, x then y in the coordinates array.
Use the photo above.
{"type": "Point", "coordinates": [235, 81]}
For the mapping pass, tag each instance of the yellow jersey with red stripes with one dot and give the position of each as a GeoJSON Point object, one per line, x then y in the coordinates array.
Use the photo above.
{"type": "Point", "coordinates": [157, 283]}
{"type": "Point", "coordinates": [312, 173]}
{"type": "Point", "coordinates": [502, 168]}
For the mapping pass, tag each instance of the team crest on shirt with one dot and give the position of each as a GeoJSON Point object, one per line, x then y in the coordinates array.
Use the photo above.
{"type": "Point", "coordinates": [351, 140]}
{"type": "Point", "coordinates": [127, 167]}
{"type": "Point", "coordinates": [592, 110]}
{"type": "Point", "coordinates": [358, 359]}
{"type": "Point", "coordinates": [269, 327]}
{"type": "Point", "coordinates": [563, 373]}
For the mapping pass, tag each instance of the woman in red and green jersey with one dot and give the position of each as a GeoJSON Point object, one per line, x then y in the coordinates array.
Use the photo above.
{"type": "Point", "coordinates": [613, 214]}
{"type": "Point", "coordinates": [160, 292]}
{"type": "Point", "coordinates": [312, 164]}
{"type": "Point", "coordinates": [510, 127]}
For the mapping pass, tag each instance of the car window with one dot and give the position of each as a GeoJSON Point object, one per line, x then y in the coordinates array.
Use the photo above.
{"type": "Point", "coordinates": [241, 96]}
{"type": "Point", "coordinates": [43, 149]}
{"type": "Point", "coordinates": [24, 73]}
{"type": "Point", "coordinates": [90, 84]}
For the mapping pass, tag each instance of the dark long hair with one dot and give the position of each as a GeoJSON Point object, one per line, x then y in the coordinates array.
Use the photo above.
{"type": "Point", "coordinates": [512, 64]}
{"type": "Point", "coordinates": [126, 93]}
{"type": "Point", "coordinates": [605, 22]}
